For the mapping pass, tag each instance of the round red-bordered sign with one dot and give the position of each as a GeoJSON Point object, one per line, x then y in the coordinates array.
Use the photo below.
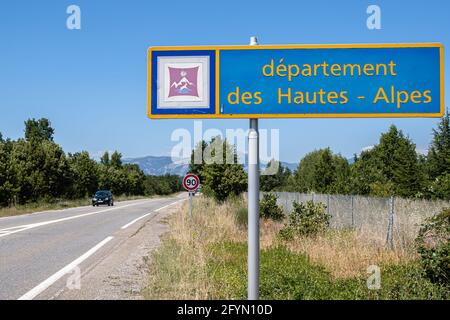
{"type": "Point", "coordinates": [191, 182]}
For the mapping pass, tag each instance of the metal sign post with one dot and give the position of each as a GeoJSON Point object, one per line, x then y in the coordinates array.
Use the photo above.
{"type": "Point", "coordinates": [253, 206]}
{"type": "Point", "coordinates": [190, 204]}
{"type": "Point", "coordinates": [191, 182]}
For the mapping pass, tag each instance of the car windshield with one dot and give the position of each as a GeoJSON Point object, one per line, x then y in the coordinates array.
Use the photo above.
{"type": "Point", "coordinates": [101, 194]}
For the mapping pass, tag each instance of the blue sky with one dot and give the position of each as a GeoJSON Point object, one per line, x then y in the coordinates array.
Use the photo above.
{"type": "Point", "coordinates": [91, 83]}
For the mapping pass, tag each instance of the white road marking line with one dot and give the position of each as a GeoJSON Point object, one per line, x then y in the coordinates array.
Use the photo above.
{"type": "Point", "coordinates": [7, 232]}
{"type": "Point", "coordinates": [30, 295]}
{"type": "Point", "coordinates": [136, 220]}
{"type": "Point", "coordinates": [51, 211]}
{"type": "Point", "coordinates": [169, 205]}
{"type": "Point", "coordinates": [147, 214]}
{"type": "Point", "coordinates": [12, 230]}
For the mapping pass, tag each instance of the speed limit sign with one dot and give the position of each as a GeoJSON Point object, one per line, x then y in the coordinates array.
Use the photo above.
{"type": "Point", "coordinates": [191, 182]}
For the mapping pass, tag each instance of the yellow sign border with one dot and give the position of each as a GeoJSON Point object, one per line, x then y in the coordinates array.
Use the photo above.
{"type": "Point", "coordinates": [217, 49]}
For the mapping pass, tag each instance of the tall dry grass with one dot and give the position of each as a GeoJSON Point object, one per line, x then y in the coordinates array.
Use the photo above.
{"type": "Point", "coordinates": [179, 268]}
{"type": "Point", "coordinates": [348, 254]}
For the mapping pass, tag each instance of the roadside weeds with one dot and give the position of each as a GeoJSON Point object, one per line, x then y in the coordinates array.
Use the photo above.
{"type": "Point", "coordinates": [206, 258]}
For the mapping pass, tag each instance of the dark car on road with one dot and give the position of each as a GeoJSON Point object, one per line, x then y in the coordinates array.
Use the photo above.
{"type": "Point", "coordinates": [102, 197]}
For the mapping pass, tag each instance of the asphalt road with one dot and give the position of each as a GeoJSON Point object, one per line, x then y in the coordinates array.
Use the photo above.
{"type": "Point", "coordinates": [38, 250]}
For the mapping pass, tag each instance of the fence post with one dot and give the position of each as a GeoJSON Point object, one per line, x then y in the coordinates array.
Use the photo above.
{"type": "Point", "coordinates": [328, 204]}
{"type": "Point", "coordinates": [353, 215]}
{"type": "Point", "coordinates": [286, 208]}
{"type": "Point", "coordinates": [390, 231]}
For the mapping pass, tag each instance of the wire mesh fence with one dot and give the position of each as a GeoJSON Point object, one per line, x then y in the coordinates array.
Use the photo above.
{"type": "Point", "coordinates": [392, 222]}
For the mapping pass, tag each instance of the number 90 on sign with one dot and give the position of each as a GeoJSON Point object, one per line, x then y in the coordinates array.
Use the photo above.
{"type": "Point", "coordinates": [191, 182]}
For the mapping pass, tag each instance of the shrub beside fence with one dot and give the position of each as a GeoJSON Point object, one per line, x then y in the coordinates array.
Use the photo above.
{"type": "Point", "coordinates": [393, 222]}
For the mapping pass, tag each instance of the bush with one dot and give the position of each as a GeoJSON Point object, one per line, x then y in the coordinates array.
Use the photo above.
{"type": "Point", "coordinates": [306, 219]}
{"type": "Point", "coordinates": [241, 217]}
{"type": "Point", "coordinates": [405, 282]}
{"type": "Point", "coordinates": [268, 208]}
{"type": "Point", "coordinates": [433, 245]}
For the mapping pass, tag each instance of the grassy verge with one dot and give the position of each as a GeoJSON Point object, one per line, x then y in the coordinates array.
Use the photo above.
{"type": "Point", "coordinates": [288, 275]}
{"type": "Point", "coordinates": [206, 258]}
{"type": "Point", "coordinates": [56, 205]}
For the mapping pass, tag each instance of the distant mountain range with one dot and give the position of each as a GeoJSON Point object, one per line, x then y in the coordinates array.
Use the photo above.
{"type": "Point", "coordinates": [161, 165]}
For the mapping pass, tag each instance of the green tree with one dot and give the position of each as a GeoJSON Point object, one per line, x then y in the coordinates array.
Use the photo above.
{"type": "Point", "coordinates": [156, 185]}
{"type": "Point", "coordinates": [304, 179]}
{"type": "Point", "coordinates": [116, 159]}
{"type": "Point", "coordinates": [8, 185]}
{"type": "Point", "coordinates": [84, 172]}
{"type": "Point", "coordinates": [322, 171]}
{"type": "Point", "coordinates": [270, 181]}
{"type": "Point", "coordinates": [439, 151]}
{"type": "Point", "coordinates": [135, 179]}
{"type": "Point", "coordinates": [438, 161]}
{"type": "Point", "coordinates": [120, 179]}
{"type": "Point", "coordinates": [162, 185]}
{"type": "Point", "coordinates": [399, 163]}
{"type": "Point", "coordinates": [341, 177]}
{"type": "Point", "coordinates": [36, 168]}
{"type": "Point", "coordinates": [39, 130]}
{"type": "Point", "coordinates": [41, 170]}
{"type": "Point", "coordinates": [4, 161]}
{"type": "Point", "coordinates": [196, 164]}
{"type": "Point", "coordinates": [174, 182]}
{"type": "Point", "coordinates": [105, 159]}
{"type": "Point", "coordinates": [390, 168]}
{"type": "Point", "coordinates": [112, 179]}
{"type": "Point", "coordinates": [366, 177]}
{"type": "Point", "coordinates": [222, 179]}
{"type": "Point", "coordinates": [440, 187]}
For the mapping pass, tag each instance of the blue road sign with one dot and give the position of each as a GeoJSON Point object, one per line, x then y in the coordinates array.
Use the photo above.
{"type": "Point", "coordinates": [296, 81]}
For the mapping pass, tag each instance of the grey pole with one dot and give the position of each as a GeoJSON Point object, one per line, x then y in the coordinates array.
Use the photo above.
{"type": "Point", "coordinates": [253, 206]}
{"type": "Point", "coordinates": [389, 237]}
{"type": "Point", "coordinates": [328, 203]}
{"type": "Point", "coordinates": [353, 214]}
{"type": "Point", "coordinates": [190, 204]}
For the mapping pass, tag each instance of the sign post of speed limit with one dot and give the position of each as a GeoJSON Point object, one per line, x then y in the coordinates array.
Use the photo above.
{"type": "Point", "coordinates": [191, 183]}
